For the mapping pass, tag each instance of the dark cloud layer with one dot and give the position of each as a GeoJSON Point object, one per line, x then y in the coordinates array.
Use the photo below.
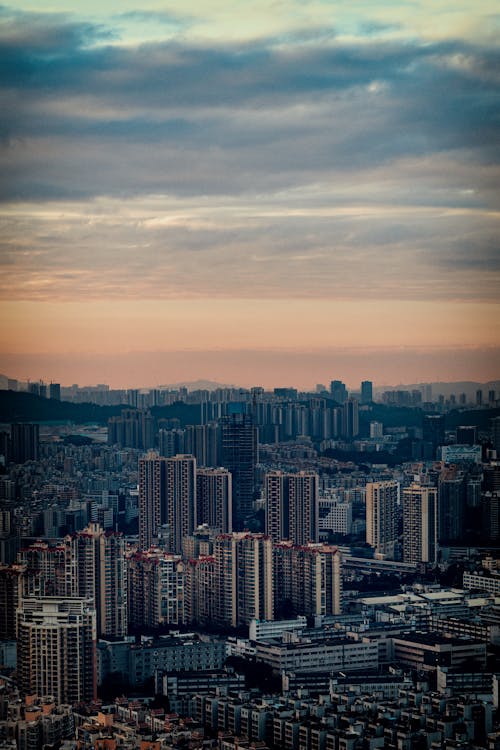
{"type": "Point", "coordinates": [381, 156]}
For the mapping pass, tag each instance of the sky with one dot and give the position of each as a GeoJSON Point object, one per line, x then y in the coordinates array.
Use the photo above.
{"type": "Point", "coordinates": [266, 193]}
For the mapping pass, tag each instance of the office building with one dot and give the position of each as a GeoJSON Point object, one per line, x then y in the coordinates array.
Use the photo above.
{"type": "Point", "coordinates": [350, 418]}
{"type": "Point", "coordinates": [382, 500]}
{"type": "Point", "coordinates": [338, 391]}
{"type": "Point", "coordinates": [495, 434]}
{"type": "Point", "coordinates": [292, 506]}
{"type": "Point", "coordinates": [466, 435]}
{"type": "Point", "coordinates": [420, 524]}
{"type": "Point", "coordinates": [56, 648]}
{"type": "Point", "coordinates": [24, 442]}
{"type": "Point", "coordinates": [433, 431]}
{"type": "Point", "coordinates": [240, 455]}
{"type": "Point", "coordinates": [214, 499]}
{"type": "Point", "coordinates": [366, 392]}
{"type": "Point", "coordinates": [334, 516]}
{"type": "Point", "coordinates": [451, 501]}
{"type": "Point", "coordinates": [55, 391]}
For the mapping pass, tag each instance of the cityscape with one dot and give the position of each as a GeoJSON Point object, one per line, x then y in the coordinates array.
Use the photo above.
{"type": "Point", "coordinates": [249, 375]}
{"type": "Point", "coordinates": [247, 568]}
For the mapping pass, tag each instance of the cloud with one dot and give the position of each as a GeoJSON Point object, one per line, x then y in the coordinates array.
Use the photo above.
{"type": "Point", "coordinates": [298, 164]}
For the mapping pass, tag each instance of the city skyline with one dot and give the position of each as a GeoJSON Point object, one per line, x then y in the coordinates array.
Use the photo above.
{"type": "Point", "coordinates": [250, 193]}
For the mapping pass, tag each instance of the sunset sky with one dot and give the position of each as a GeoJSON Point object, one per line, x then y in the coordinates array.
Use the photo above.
{"type": "Point", "coordinates": [262, 193]}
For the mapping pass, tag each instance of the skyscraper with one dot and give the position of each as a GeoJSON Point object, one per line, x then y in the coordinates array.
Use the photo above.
{"type": "Point", "coordinates": [24, 443]}
{"type": "Point", "coordinates": [381, 516]}
{"type": "Point", "coordinates": [180, 498]}
{"type": "Point", "coordinates": [350, 421]}
{"type": "Point", "coordinates": [102, 576]}
{"type": "Point", "coordinates": [307, 580]}
{"type": "Point", "coordinates": [152, 497]}
{"type": "Point", "coordinates": [338, 391]}
{"type": "Point", "coordinates": [420, 524]}
{"type": "Point", "coordinates": [155, 589]}
{"type": "Point", "coordinates": [239, 456]}
{"type": "Point", "coordinates": [433, 431]}
{"type": "Point", "coordinates": [243, 578]}
{"type": "Point", "coordinates": [292, 506]}
{"type": "Point", "coordinates": [214, 499]}
{"type": "Point", "coordinates": [366, 392]}
{"type": "Point", "coordinates": [56, 648]}
{"type": "Point", "coordinates": [452, 499]}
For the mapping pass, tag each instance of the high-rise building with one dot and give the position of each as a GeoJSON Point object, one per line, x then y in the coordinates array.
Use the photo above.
{"type": "Point", "coordinates": [155, 589]}
{"type": "Point", "coordinates": [152, 497]}
{"type": "Point", "coordinates": [366, 392]}
{"type": "Point", "coordinates": [200, 590]}
{"type": "Point", "coordinates": [180, 498]}
{"type": "Point", "coordinates": [292, 506]}
{"type": "Point", "coordinates": [132, 429]}
{"type": "Point", "coordinates": [350, 421]}
{"type": "Point", "coordinates": [382, 516]}
{"type": "Point", "coordinates": [214, 499]}
{"type": "Point", "coordinates": [307, 580]}
{"type": "Point", "coordinates": [55, 391]}
{"type": "Point", "coordinates": [239, 455]}
{"type": "Point", "coordinates": [451, 501]}
{"type": "Point", "coordinates": [102, 576]}
{"type": "Point", "coordinates": [420, 524]}
{"type": "Point", "coordinates": [495, 434]}
{"type": "Point", "coordinates": [466, 434]}
{"type": "Point", "coordinates": [433, 431]}
{"type": "Point", "coordinates": [56, 648]}
{"type": "Point", "coordinates": [50, 570]}
{"type": "Point", "coordinates": [338, 391]}
{"type": "Point", "coordinates": [10, 594]}
{"type": "Point", "coordinates": [24, 442]}
{"type": "Point", "coordinates": [243, 578]}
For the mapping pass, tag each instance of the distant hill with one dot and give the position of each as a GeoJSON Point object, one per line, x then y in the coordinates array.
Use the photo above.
{"type": "Point", "coordinates": [197, 385]}
{"type": "Point", "coordinates": [27, 407]}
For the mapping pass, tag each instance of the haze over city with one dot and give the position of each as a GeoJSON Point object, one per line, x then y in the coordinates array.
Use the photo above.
{"type": "Point", "coordinates": [250, 193]}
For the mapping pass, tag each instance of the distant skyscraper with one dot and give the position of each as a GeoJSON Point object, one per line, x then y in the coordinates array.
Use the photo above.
{"type": "Point", "coordinates": [24, 442]}
{"type": "Point", "coordinates": [292, 506]}
{"type": "Point", "coordinates": [152, 497]}
{"type": "Point", "coordinates": [452, 499]}
{"type": "Point", "coordinates": [479, 397]}
{"type": "Point", "coordinates": [420, 524]}
{"type": "Point", "coordinates": [366, 392]}
{"type": "Point", "coordinates": [495, 434]}
{"type": "Point", "coordinates": [56, 648]}
{"type": "Point", "coordinates": [214, 499]}
{"type": "Point", "coordinates": [381, 516]}
{"type": "Point", "coordinates": [338, 391]}
{"type": "Point", "coordinates": [239, 455]}
{"type": "Point", "coordinates": [55, 391]}
{"type": "Point", "coordinates": [351, 418]}
{"type": "Point", "coordinates": [433, 431]}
